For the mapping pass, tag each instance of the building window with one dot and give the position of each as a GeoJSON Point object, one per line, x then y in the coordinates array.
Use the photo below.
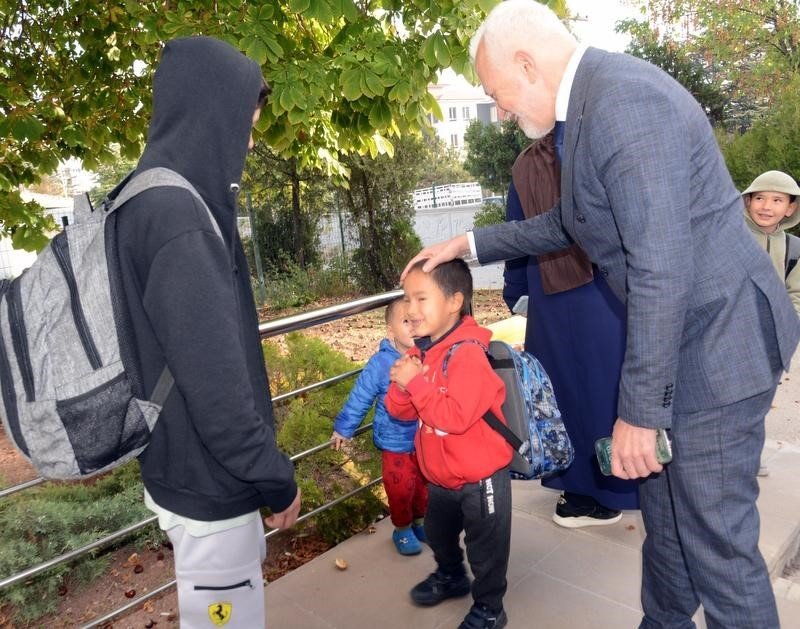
{"type": "Point", "coordinates": [454, 140]}
{"type": "Point", "coordinates": [493, 114]}
{"type": "Point", "coordinates": [453, 114]}
{"type": "Point", "coordinates": [465, 113]}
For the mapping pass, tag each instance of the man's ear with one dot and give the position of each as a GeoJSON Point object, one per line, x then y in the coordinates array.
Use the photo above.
{"type": "Point", "coordinates": [527, 65]}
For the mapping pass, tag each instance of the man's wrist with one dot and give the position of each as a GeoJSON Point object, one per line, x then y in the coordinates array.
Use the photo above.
{"type": "Point", "coordinates": [473, 252]}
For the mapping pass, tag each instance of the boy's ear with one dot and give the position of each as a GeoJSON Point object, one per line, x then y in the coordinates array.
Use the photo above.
{"type": "Point", "coordinates": [792, 208]}
{"type": "Point", "coordinates": [457, 301]}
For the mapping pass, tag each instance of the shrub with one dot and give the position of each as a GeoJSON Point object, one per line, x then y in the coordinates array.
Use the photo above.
{"type": "Point", "coordinates": [491, 213]}
{"type": "Point", "coordinates": [55, 518]}
{"type": "Point", "coordinates": [306, 421]}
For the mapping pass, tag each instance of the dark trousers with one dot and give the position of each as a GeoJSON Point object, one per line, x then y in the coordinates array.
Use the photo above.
{"type": "Point", "coordinates": [483, 511]}
{"type": "Point", "coordinates": [702, 524]}
{"type": "Point", "coordinates": [405, 487]}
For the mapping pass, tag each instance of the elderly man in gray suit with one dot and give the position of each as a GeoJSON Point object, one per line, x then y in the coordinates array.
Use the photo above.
{"type": "Point", "coordinates": [645, 192]}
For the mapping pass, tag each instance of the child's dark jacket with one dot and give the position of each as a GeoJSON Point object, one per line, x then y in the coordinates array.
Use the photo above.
{"type": "Point", "coordinates": [388, 433]}
{"type": "Point", "coordinates": [454, 444]}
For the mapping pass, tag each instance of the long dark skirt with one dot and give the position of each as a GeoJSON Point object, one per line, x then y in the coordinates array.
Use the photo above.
{"type": "Point", "coordinates": [579, 337]}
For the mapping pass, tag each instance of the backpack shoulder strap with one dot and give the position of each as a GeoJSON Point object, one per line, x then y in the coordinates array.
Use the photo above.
{"type": "Point", "coordinates": [792, 252]}
{"type": "Point", "coordinates": [490, 418]}
{"type": "Point", "coordinates": [154, 178]}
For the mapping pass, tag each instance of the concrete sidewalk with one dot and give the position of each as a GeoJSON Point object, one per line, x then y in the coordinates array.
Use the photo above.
{"type": "Point", "coordinates": [558, 578]}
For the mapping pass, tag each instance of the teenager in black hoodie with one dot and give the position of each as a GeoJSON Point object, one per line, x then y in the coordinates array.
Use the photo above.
{"type": "Point", "coordinates": [212, 460]}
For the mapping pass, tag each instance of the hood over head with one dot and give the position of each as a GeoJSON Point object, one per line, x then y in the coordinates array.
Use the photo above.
{"type": "Point", "coordinates": [205, 93]}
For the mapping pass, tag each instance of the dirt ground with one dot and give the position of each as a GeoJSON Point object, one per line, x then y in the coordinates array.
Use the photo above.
{"type": "Point", "coordinates": [132, 574]}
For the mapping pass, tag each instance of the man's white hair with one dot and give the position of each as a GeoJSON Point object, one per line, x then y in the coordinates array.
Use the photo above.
{"type": "Point", "coordinates": [513, 21]}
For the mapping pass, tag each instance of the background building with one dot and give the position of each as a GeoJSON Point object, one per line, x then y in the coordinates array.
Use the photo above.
{"type": "Point", "coordinates": [461, 103]}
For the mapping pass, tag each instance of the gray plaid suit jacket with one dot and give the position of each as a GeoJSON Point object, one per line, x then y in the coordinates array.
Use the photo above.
{"type": "Point", "coordinates": [645, 192]}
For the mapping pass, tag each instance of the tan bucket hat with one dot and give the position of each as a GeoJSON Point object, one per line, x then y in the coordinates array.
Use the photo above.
{"type": "Point", "coordinates": [774, 181]}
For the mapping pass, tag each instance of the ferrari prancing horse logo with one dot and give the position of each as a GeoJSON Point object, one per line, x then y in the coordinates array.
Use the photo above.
{"type": "Point", "coordinates": [220, 613]}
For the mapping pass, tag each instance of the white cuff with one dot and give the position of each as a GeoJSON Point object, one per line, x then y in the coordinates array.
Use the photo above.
{"type": "Point", "coordinates": [473, 254]}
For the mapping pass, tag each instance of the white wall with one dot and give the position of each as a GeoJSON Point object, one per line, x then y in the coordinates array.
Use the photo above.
{"type": "Point", "coordinates": [439, 224]}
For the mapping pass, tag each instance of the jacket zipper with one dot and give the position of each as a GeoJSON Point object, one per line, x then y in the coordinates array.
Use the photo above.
{"type": "Point", "coordinates": [220, 588]}
{"type": "Point", "coordinates": [9, 392]}
{"type": "Point", "coordinates": [19, 338]}
{"type": "Point", "coordinates": [61, 250]}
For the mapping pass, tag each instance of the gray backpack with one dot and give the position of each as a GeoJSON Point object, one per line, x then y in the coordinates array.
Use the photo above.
{"type": "Point", "coordinates": [67, 400]}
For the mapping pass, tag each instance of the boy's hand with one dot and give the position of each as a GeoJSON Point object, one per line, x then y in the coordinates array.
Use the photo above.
{"type": "Point", "coordinates": [405, 369]}
{"type": "Point", "coordinates": [338, 440]}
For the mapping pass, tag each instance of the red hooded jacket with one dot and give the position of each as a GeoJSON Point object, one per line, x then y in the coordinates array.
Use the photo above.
{"type": "Point", "coordinates": [454, 444]}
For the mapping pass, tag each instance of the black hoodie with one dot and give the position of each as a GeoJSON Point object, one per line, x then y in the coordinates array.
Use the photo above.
{"type": "Point", "coordinates": [187, 295]}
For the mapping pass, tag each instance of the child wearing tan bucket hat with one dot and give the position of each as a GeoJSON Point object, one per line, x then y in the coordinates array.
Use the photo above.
{"type": "Point", "coordinates": [770, 211]}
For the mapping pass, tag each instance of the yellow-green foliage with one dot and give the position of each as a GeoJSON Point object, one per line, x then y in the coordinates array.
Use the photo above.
{"type": "Point", "coordinates": [307, 420]}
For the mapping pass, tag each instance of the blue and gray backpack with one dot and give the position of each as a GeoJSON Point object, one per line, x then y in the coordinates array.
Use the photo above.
{"type": "Point", "coordinates": [535, 428]}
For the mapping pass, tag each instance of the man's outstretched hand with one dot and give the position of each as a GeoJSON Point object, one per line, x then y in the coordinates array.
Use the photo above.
{"type": "Point", "coordinates": [438, 253]}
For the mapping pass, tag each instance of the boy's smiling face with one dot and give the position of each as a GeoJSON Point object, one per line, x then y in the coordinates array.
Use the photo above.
{"type": "Point", "coordinates": [430, 311]}
{"type": "Point", "coordinates": [768, 209]}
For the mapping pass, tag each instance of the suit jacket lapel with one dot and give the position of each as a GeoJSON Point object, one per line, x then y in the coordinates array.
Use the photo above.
{"type": "Point", "coordinates": [577, 102]}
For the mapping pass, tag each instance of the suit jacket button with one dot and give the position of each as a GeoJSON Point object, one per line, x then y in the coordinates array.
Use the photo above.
{"type": "Point", "coordinates": [581, 218]}
{"type": "Point", "coordinates": [604, 271]}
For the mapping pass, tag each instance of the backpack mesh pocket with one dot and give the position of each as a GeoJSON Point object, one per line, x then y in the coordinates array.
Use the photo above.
{"type": "Point", "coordinates": [104, 424]}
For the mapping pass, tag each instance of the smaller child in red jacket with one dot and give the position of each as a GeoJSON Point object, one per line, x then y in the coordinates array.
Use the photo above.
{"type": "Point", "coordinates": [463, 458]}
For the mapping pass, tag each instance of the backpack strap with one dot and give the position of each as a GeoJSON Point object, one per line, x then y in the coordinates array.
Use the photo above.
{"type": "Point", "coordinates": [163, 387]}
{"type": "Point", "coordinates": [792, 252]}
{"type": "Point", "coordinates": [490, 418]}
{"type": "Point", "coordinates": [132, 186]}
{"type": "Point", "coordinates": [154, 178]}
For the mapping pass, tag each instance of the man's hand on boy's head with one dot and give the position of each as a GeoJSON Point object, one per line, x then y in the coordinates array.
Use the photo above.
{"type": "Point", "coordinates": [406, 369]}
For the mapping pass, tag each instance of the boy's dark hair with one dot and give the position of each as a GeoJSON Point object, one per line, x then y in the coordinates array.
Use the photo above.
{"type": "Point", "coordinates": [452, 277]}
{"type": "Point", "coordinates": [263, 95]}
{"type": "Point", "coordinates": [391, 308]}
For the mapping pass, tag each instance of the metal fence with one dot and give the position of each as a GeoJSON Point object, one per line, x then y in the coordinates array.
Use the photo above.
{"type": "Point", "coordinates": [268, 329]}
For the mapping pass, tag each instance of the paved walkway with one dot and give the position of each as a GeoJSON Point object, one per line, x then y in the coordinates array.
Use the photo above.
{"type": "Point", "coordinates": [558, 578]}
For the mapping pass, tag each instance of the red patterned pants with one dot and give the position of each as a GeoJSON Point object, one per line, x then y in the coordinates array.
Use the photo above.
{"type": "Point", "coordinates": [405, 486]}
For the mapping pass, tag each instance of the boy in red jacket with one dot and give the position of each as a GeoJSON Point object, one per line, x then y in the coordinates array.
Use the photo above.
{"type": "Point", "coordinates": [463, 458]}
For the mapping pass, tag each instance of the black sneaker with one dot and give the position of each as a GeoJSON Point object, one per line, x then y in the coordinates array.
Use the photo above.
{"type": "Point", "coordinates": [575, 512]}
{"type": "Point", "coordinates": [481, 617]}
{"type": "Point", "coordinates": [438, 587]}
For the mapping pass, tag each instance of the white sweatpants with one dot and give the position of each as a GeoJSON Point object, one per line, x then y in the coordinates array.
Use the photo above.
{"type": "Point", "coordinates": [219, 577]}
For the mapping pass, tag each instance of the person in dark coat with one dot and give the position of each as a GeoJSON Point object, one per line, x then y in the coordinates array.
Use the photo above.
{"type": "Point", "coordinates": [576, 328]}
{"type": "Point", "coordinates": [185, 295]}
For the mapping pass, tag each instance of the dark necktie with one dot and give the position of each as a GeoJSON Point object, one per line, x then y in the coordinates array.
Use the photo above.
{"type": "Point", "coordinates": [558, 138]}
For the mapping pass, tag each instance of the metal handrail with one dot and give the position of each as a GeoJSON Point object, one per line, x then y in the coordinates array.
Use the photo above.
{"type": "Point", "coordinates": [285, 325]}
{"type": "Point", "coordinates": [15, 488]}
{"type": "Point", "coordinates": [132, 528]}
{"type": "Point", "coordinates": [128, 606]}
{"type": "Point", "coordinates": [266, 330]}
{"type": "Point", "coordinates": [324, 315]}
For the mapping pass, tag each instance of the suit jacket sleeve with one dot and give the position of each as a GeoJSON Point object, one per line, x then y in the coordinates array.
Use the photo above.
{"type": "Point", "coordinates": [533, 236]}
{"type": "Point", "coordinates": [640, 151]}
{"type": "Point", "coordinates": [515, 274]}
